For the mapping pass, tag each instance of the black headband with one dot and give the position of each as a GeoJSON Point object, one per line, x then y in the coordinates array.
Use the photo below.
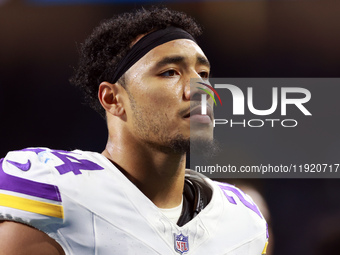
{"type": "Point", "coordinates": [146, 44]}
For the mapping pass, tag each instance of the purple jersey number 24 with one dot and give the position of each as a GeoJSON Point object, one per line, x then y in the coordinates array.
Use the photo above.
{"type": "Point", "coordinates": [71, 163]}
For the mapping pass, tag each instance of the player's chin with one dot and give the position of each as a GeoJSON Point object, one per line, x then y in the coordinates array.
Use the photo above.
{"type": "Point", "coordinates": [203, 146]}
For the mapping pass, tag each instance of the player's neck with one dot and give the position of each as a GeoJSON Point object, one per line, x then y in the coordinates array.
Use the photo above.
{"type": "Point", "coordinates": [159, 175]}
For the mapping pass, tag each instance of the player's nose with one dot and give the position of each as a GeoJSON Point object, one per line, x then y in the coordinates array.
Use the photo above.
{"type": "Point", "coordinates": [192, 86]}
{"type": "Point", "coordinates": [194, 89]}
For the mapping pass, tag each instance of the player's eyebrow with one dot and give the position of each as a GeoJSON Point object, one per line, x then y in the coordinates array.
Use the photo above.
{"type": "Point", "coordinates": [169, 60]}
{"type": "Point", "coordinates": [180, 59]}
{"type": "Point", "coordinates": [203, 61]}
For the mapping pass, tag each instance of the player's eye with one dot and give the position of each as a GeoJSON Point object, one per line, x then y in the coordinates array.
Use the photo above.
{"type": "Point", "coordinates": [204, 75]}
{"type": "Point", "coordinates": [169, 73]}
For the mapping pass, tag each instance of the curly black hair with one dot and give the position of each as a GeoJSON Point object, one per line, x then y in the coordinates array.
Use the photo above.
{"type": "Point", "coordinates": [111, 40]}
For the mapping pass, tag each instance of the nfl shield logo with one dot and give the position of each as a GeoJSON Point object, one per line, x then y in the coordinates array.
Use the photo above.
{"type": "Point", "coordinates": [181, 243]}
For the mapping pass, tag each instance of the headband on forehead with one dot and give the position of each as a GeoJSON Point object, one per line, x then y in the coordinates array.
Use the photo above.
{"type": "Point", "coordinates": [146, 44]}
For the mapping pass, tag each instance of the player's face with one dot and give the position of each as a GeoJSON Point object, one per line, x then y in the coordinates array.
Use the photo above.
{"type": "Point", "coordinates": [159, 92]}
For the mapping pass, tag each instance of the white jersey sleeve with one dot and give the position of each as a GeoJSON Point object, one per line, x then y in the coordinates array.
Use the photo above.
{"type": "Point", "coordinates": [249, 228]}
{"type": "Point", "coordinates": [28, 193]}
{"type": "Point", "coordinates": [233, 221]}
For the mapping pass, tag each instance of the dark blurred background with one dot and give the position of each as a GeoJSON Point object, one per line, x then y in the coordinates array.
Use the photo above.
{"type": "Point", "coordinates": [39, 41]}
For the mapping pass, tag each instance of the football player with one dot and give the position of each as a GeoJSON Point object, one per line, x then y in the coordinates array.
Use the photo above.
{"type": "Point", "coordinates": [136, 197]}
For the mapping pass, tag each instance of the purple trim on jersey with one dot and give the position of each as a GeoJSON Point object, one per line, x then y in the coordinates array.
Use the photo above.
{"type": "Point", "coordinates": [230, 199]}
{"type": "Point", "coordinates": [23, 186]}
{"type": "Point", "coordinates": [36, 150]}
{"type": "Point", "coordinates": [267, 232]}
{"type": "Point", "coordinates": [251, 206]}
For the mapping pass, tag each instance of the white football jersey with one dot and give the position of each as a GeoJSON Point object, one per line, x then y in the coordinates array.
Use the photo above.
{"type": "Point", "coordinates": [89, 207]}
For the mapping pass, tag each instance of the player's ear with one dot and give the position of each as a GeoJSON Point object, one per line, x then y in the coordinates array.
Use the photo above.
{"type": "Point", "coordinates": [111, 98]}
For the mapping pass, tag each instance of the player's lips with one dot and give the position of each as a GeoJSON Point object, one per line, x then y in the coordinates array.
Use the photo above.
{"type": "Point", "coordinates": [195, 115]}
